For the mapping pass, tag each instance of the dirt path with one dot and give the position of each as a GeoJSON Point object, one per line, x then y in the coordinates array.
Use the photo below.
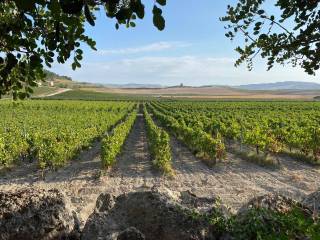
{"type": "Point", "coordinates": [59, 91]}
{"type": "Point", "coordinates": [235, 181]}
{"type": "Point", "coordinates": [134, 168]}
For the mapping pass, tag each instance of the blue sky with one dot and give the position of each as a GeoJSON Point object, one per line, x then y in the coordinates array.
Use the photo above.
{"type": "Point", "coordinates": [191, 50]}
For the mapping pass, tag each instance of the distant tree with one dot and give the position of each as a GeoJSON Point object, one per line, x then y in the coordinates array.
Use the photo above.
{"type": "Point", "coordinates": [35, 33]}
{"type": "Point", "coordinates": [51, 76]}
{"type": "Point", "coordinates": [293, 37]}
{"type": "Point", "coordinates": [66, 77]}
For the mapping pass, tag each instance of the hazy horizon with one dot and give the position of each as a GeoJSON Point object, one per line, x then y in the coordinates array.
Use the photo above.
{"type": "Point", "coordinates": [184, 85]}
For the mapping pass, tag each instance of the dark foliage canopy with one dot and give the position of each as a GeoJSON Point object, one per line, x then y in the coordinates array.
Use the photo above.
{"type": "Point", "coordinates": [291, 38]}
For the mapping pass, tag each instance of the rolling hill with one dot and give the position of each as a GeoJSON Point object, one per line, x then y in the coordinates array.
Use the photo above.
{"type": "Point", "coordinates": [287, 85]}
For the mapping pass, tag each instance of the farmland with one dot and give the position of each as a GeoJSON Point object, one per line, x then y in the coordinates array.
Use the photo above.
{"type": "Point", "coordinates": [53, 132]}
{"type": "Point", "coordinates": [227, 149]}
{"type": "Point", "coordinates": [271, 128]}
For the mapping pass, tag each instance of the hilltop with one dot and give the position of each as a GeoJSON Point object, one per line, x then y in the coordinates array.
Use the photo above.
{"type": "Point", "coordinates": [286, 85]}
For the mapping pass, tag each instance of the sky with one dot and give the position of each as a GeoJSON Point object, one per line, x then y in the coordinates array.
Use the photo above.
{"type": "Point", "coordinates": [192, 50]}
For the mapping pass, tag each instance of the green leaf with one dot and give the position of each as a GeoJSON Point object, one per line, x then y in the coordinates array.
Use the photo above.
{"type": "Point", "coordinates": [71, 6]}
{"type": "Point", "coordinates": [162, 2]}
{"type": "Point", "coordinates": [156, 10]}
{"type": "Point", "coordinates": [158, 19]}
{"type": "Point", "coordinates": [51, 54]}
{"type": "Point", "coordinates": [88, 15]}
{"type": "Point", "coordinates": [34, 61]}
{"type": "Point", "coordinates": [79, 51]}
{"type": "Point", "coordinates": [124, 14]}
{"type": "Point", "coordinates": [132, 24]}
{"type": "Point", "coordinates": [138, 8]}
{"type": "Point", "coordinates": [29, 89]}
{"type": "Point", "coordinates": [25, 5]}
{"type": "Point", "coordinates": [54, 7]}
{"type": "Point", "coordinates": [79, 57]}
{"type": "Point", "coordinates": [74, 66]}
{"type": "Point", "coordinates": [22, 95]}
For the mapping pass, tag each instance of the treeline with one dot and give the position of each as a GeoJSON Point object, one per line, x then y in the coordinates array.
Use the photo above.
{"type": "Point", "coordinates": [51, 76]}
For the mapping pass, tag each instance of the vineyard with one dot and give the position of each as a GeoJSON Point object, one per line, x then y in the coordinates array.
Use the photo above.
{"type": "Point", "coordinates": [52, 133]}
{"type": "Point", "coordinates": [234, 151]}
{"type": "Point", "coordinates": [254, 129]}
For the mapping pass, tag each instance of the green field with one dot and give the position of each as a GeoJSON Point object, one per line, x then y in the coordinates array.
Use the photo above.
{"type": "Point", "coordinates": [260, 129]}
{"type": "Point", "coordinates": [269, 127]}
{"type": "Point", "coordinates": [53, 132]}
{"type": "Point", "coordinates": [97, 96]}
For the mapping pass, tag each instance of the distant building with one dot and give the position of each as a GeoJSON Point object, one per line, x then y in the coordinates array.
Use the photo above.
{"type": "Point", "coordinates": [181, 84]}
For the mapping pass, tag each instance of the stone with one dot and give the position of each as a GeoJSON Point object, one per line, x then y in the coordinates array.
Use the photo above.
{"type": "Point", "coordinates": [104, 202]}
{"type": "Point", "coordinates": [131, 233]}
{"type": "Point", "coordinates": [274, 202]}
{"type": "Point", "coordinates": [31, 213]}
{"type": "Point", "coordinates": [312, 201]}
{"type": "Point", "coordinates": [151, 215]}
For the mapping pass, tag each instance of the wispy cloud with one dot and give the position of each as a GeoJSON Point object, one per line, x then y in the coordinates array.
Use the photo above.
{"type": "Point", "coordinates": [190, 70]}
{"type": "Point", "coordinates": [153, 47]}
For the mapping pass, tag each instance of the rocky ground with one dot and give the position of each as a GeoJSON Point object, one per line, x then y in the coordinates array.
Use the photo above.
{"type": "Point", "coordinates": [234, 181]}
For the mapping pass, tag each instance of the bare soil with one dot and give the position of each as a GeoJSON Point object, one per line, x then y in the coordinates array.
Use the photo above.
{"type": "Point", "coordinates": [59, 91]}
{"type": "Point", "coordinates": [210, 93]}
{"type": "Point", "coordinates": [234, 180]}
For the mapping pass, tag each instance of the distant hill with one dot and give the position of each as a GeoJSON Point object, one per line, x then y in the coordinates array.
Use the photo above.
{"type": "Point", "coordinates": [288, 85]}
{"type": "Point", "coordinates": [60, 81]}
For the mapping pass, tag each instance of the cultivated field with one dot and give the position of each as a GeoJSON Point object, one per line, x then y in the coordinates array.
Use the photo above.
{"type": "Point", "coordinates": [214, 92]}
{"type": "Point", "coordinates": [233, 151]}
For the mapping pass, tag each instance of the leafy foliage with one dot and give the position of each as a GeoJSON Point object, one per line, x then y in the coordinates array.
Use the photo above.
{"type": "Point", "coordinates": [293, 37]}
{"type": "Point", "coordinates": [267, 224]}
{"type": "Point", "coordinates": [42, 131]}
{"type": "Point", "coordinates": [112, 144]}
{"type": "Point", "coordinates": [205, 146]}
{"type": "Point", "coordinates": [35, 33]}
{"type": "Point", "coordinates": [260, 223]}
{"type": "Point", "coordinates": [159, 145]}
{"type": "Point", "coordinates": [268, 128]}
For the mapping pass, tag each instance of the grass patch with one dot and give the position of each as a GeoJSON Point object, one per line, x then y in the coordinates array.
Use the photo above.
{"type": "Point", "coordinates": [262, 160]}
{"type": "Point", "coordinates": [266, 224]}
{"type": "Point", "coordinates": [263, 224]}
{"type": "Point", "coordinates": [300, 157]}
{"type": "Point", "coordinates": [204, 157]}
